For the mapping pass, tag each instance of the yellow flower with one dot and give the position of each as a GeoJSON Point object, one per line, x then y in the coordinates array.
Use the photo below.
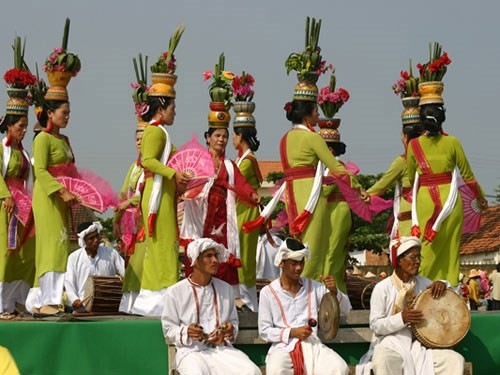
{"type": "Point", "coordinates": [226, 74]}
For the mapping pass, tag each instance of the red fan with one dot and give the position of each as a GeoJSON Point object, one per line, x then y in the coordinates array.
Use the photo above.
{"type": "Point", "coordinates": [86, 193]}
{"type": "Point", "coordinates": [365, 211]}
{"type": "Point", "coordinates": [23, 204]}
{"type": "Point", "coordinates": [194, 159]}
{"type": "Point", "coordinates": [472, 211]}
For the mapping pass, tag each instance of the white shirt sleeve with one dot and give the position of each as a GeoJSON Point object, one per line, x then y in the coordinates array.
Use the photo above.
{"type": "Point", "coordinates": [70, 278]}
{"type": "Point", "coordinates": [173, 329]}
{"type": "Point", "coordinates": [119, 264]}
{"type": "Point", "coordinates": [267, 331]}
{"type": "Point", "coordinates": [382, 323]}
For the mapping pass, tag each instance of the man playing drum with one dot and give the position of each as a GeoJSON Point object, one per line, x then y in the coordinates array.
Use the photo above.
{"type": "Point", "coordinates": [200, 318]}
{"type": "Point", "coordinates": [91, 259]}
{"type": "Point", "coordinates": [286, 310]}
{"type": "Point", "coordinates": [393, 349]}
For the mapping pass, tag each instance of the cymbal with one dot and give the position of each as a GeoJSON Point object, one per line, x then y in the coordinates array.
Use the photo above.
{"type": "Point", "coordinates": [328, 316]}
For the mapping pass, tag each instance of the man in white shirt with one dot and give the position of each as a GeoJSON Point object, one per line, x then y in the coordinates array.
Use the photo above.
{"type": "Point", "coordinates": [286, 306]}
{"type": "Point", "coordinates": [200, 317]}
{"type": "Point", "coordinates": [91, 259]}
{"type": "Point", "coordinates": [393, 349]}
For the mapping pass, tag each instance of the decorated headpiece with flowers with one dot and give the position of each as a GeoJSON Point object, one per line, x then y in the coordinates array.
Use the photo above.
{"type": "Point", "coordinates": [407, 85]}
{"type": "Point", "coordinates": [308, 64]}
{"type": "Point", "coordinates": [60, 60]}
{"type": "Point", "coordinates": [431, 86]}
{"type": "Point", "coordinates": [331, 100]}
{"type": "Point", "coordinates": [436, 67]}
{"type": "Point", "coordinates": [19, 79]}
{"type": "Point", "coordinates": [140, 87]}
{"type": "Point", "coordinates": [60, 67]}
{"type": "Point", "coordinates": [167, 63]}
{"type": "Point", "coordinates": [221, 92]}
{"type": "Point", "coordinates": [407, 88]}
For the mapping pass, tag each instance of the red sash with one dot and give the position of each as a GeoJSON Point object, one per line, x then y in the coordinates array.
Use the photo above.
{"type": "Point", "coordinates": [432, 182]}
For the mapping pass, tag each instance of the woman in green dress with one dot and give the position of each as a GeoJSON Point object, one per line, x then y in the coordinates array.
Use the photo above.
{"type": "Point", "coordinates": [159, 203]}
{"type": "Point", "coordinates": [17, 249]}
{"type": "Point", "coordinates": [434, 160]}
{"type": "Point", "coordinates": [246, 142]}
{"type": "Point", "coordinates": [52, 203]}
{"type": "Point", "coordinates": [128, 226]}
{"type": "Point", "coordinates": [301, 149]}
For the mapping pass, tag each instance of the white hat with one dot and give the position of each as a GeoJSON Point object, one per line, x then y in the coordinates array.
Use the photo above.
{"type": "Point", "coordinates": [200, 245]}
{"type": "Point", "coordinates": [291, 249]}
{"type": "Point", "coordinates": [90, 228]}
{"type": "Point", "coordinates": [401, 245]}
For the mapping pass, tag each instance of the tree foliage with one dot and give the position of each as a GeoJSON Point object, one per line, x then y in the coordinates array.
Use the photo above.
{"type": "Point", "coordinates": [371, 236]}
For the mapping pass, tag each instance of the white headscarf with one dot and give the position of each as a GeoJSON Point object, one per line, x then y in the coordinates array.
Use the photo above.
{"type": "Point", "coordinates": [284, 253]}
{"type": "Point", "coordinates": [401, 245]}
{"type": "Point", "coordinates": [96, 226]}
{"type": "Point", "coordinates": [200, 245]}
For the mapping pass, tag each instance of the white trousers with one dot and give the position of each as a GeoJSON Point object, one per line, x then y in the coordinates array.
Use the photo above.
{"type": "Point", "coordinates": [127, 302]}
{"type": "Point", "coordinates": [12, 292]}
{"type": "Point", "coordinates": [446, 362]}
{"type": "Point", "coordinates": [50, 291]}
{"type": "Point", "coordinates": [217, 361]}
{"type": "Point", "coordinates": [149, 302]}
{"type": "Point", "coordinates": [249, 297]}
{"type": "Point", "coordinates": [318, 360]}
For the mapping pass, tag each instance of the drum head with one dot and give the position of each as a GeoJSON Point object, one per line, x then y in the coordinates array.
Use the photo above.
{"type": "Point", "coordinates": [446, 320]}
{"type": "Point", "coordinates": [328, 316]}
{"type": "Point", "coordinates": [88, 288]}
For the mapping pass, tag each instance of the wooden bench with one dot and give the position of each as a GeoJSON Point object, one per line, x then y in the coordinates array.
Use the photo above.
{"type": "Point", "coordinates": [353, 329]}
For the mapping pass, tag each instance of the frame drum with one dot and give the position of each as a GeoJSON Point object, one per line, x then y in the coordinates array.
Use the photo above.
{"type": "Point", "coordinates": [446, 320]}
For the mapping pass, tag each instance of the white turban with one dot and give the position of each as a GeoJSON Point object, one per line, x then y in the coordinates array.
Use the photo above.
{"type": "Point", "coordinates": [401, 245]}
{"type": "Point", "coordinates": [96, 226]}
{"type": "Point", "coordinates": [197, 247]}
{"type": "Point", "coordinates": [284, 252]}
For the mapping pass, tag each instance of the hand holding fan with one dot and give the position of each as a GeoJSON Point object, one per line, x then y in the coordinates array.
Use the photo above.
{"type": "Point", "coordinates": [23, 204]}
{"type": "Point", "coordinates": [471, 208]}
{"type": "Point", "coordinates": [87, 194]}
{"type": "Point", "coordinates": [193, 159]}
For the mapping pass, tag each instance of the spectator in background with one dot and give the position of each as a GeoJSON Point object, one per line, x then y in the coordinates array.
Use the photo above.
{"type": "Point", "coordinates": [474, 277]}
{"type": "Point", "coordinates": [495, 290]}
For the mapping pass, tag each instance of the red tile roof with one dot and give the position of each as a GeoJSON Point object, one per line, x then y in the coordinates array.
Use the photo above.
{"type": "Point", "coordinates": [267, 166]}
{"type": "Point", "coordinates": [487, 239]}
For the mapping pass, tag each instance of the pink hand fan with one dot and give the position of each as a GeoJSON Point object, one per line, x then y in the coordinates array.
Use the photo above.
{"type": "Point", "coordinates": [365, 211]}
{"type": "Point", "coordinates": [88, 195]}
{"type": "Point", "coordinates": [472, 211]}
{"type": "Point", "coordinates": [23, 205]}
{"type": "Point", "coordinates": [194, 159]}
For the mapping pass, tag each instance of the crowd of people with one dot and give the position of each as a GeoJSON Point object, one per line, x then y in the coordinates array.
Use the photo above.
{"type": "Point", "coordinates": [221, 223]}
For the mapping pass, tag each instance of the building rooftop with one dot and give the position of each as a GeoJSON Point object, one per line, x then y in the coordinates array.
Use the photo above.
{"type": "Point", "coordinates": [487, 238]}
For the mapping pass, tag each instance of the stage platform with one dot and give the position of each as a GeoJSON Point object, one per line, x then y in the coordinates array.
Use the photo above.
{"type": "Point", "coordinates": [121, 345]}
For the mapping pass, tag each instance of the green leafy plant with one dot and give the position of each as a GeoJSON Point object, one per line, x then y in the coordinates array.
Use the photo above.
{"type": "Point", "coordinates": [166, 63]}
{"type": "Point", "coordinates": [60, 59]}
{"type": "Point", "coordinates": [308, 64]}
{"type": "Point", "coordinates": [220, 89]}
{"type": "Point", "coordinates": [140, 87]}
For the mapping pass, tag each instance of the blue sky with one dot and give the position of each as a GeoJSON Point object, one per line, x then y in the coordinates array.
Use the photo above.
{"type": "Point", "coordinates": [368, 42]}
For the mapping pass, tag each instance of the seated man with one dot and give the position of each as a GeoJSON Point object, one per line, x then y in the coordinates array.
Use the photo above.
{"type": "Point", "coordinates": [286, 306]}
{"type": "Point", "coordinates": [393, 349]}
{"type": "Point", "coordinates": [200, 318]}
{"type": "Point", "coordinates": [90, 260]}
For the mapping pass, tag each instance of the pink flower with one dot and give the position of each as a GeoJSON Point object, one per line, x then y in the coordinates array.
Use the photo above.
{"type": "Point", "coordinates": [207, 74]}
{"type": "Point", "coordinates": [135, 85]}
{"type": "Point", "coordinates": [58, 50]}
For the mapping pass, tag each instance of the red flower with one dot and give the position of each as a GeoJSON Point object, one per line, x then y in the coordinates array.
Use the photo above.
{"type": "Point", "coordinates": [249, 79]}
{"type": "Point", "coordinates": [19, 77]}
{"type": "Point", "coordinates": [236, 83]}
{"type": "Point", "coordinates": [421, 69]}
{"type": "Point", "coordinates": [288, 107]}
{"type": "Point", "coordinates": [405, 75]}
{"type": "Point", "coordinates": [444, 59]}
{"type": "Point", "coordinates": [344, 95]}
